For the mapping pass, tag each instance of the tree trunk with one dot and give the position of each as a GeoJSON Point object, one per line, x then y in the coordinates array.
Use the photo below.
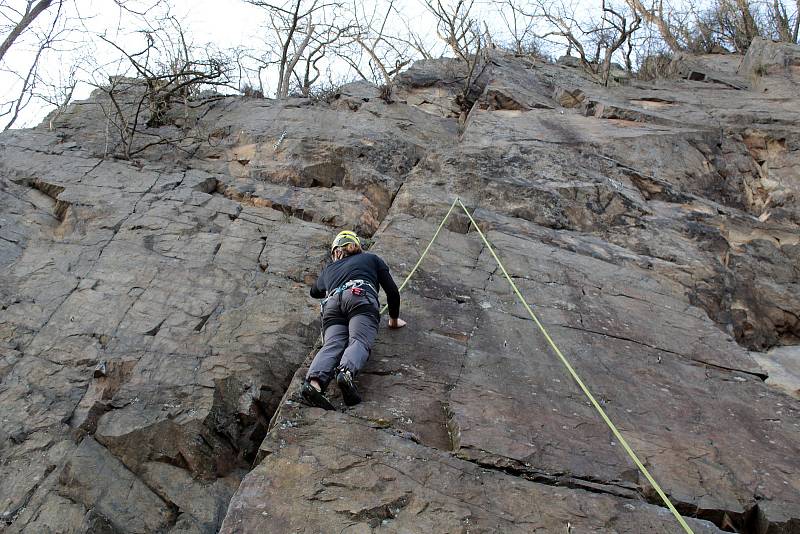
{"type": "Point", "coordinates": [287, 73]}
{"type": "Point", "coordinates": [660, 23]}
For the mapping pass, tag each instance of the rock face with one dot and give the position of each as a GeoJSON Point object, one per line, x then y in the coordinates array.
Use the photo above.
{"type": "Point", "coordinates": [155, 322]}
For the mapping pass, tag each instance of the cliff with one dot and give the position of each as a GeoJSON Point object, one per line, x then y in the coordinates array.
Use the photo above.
{"type": "Point", "coordinates": [156, 322]}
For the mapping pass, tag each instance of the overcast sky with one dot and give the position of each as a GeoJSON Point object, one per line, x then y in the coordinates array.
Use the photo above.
{"type": "Point", "coordinates": [227, 22]}
{"type": "Point", "coordinates": [224, 23]}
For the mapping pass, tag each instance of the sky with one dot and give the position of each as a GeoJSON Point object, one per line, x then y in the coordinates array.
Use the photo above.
{"type": "Point", "coordinates": [225, 23]}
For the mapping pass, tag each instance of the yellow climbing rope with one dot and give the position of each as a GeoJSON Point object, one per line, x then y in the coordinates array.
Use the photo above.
{"type": "Point", "coordinates": [424, 252]}
{"type": "Point", "coordinates": [561, 356]}
{"type": "Point", "coordinates": [577, 379]}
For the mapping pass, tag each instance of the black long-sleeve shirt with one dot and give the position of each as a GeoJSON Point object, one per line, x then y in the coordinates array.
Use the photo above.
{"type": "Point", "coordinates": [361, 266]}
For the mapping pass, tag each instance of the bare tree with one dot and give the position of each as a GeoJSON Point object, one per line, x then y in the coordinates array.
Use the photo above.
{"type": "Point", "coordinates": [386, 53]}
{"type": "Point", "coordinates": [58, 94]}
{"type": "Point", "coordinates": [293, 24]}
{"type": "Point", "coordinates": [785, 25]}
{"type": "Point", "coordinates": [309, 36]}
{"type": "Point", "coordinates": [456, 27]}
{"type": "Point", "coordinates": [416, 42]}
{"type": "Point", "coordinates": [596, 40]}
{"type": "Point", "coordinates": [43, 50]}
{"type": "Point", "coordinates": [730, 23]}
{"type": "Point", "coordinates": [735, 23]}
{"type": "Point", "coordinates": [520, 27]}
{"type": "Point", "coordinates": [723, 24]}
{"type": "Point", "coordinates": [617, 31]}
{"type": "Point", "coordinates": [32, 10]}
{"type": "Point", "coordinates": [662, 16]}
{"type": "Point", "coordinates": [165, 72]}
{"type": "Point", "coordinates": [248, 67]}
{"type": "Point", "coordinates": [326, 36]}
{"type": "Point", "coordinates": [28, 81]}
{"type": "Point", "coordinates": [461, 31]}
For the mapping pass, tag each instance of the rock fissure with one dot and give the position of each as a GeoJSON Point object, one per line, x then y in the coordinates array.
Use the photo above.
{"type": "Point", "coordinates": [154, 317]}
{"type": "Point", "coordinates": [524, 470]}
{"type": "Point", "coordinates": [727, 520]}
{"type": "Point", "coordinates": [10, 515]}
{"type": "Point", "coordinates": [689, 359]}
{"type": "Point", "coordinates": [378, 514]}
{"type": "Point", "coordinates": [76, 287]}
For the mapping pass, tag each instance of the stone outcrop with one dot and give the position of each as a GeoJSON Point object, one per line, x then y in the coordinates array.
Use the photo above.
{"type": "Point", "coordinates": [155, 321]}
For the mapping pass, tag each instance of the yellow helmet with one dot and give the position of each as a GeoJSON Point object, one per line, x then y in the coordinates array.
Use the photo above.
{"type": "Point", "coordinates": [343, 238]}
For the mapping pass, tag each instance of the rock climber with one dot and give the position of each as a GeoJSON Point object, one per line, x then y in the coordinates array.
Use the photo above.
{"type": "Point", "coordinates": [350, 318]}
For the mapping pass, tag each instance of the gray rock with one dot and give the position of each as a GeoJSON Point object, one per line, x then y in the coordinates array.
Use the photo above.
{"type": "Point", "coordinates": [382, 481]}
{"type": "Point", "coordinates": [783, 366]}
{"type": "Point", "coordinates": [772, 66]}
{"type": "Point", "coordinates": [569, 61]}
{"type": "Point", "coordinates": [652, 226]}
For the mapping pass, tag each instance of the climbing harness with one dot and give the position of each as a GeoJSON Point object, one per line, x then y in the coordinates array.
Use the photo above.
{"type": "Point", "coordinates": [355, 286]}
{"type": "Point", "coordinates": [560, 355]}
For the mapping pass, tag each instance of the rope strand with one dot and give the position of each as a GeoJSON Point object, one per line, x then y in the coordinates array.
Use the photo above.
{"type": "Point", "coordinates": [577, 379]}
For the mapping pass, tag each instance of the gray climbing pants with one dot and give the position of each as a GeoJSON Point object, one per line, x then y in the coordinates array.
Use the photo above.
{"type": "Point", "coordinates": [351, 328]}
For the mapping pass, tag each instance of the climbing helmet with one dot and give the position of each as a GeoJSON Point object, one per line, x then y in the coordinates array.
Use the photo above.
{"type": "Point", "coordinates": [343, 238]}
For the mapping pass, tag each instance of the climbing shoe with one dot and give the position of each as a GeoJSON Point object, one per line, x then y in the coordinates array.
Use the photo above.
{"type": "Point", "coordinates": [348, 388]}
{"type": "Point", "coordinates": [314, 397]}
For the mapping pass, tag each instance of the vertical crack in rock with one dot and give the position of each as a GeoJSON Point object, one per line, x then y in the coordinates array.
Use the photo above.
{"type": "Point", "coordinates": [453, 430]}
{"type": "Point", "coordinates": [628, 208]}
{"type": "Point", "coordinates": [103, 247]}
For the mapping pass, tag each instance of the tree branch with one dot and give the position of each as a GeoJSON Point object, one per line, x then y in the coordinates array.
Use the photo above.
{"type": "Point", "coordinates": [30, 15]}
